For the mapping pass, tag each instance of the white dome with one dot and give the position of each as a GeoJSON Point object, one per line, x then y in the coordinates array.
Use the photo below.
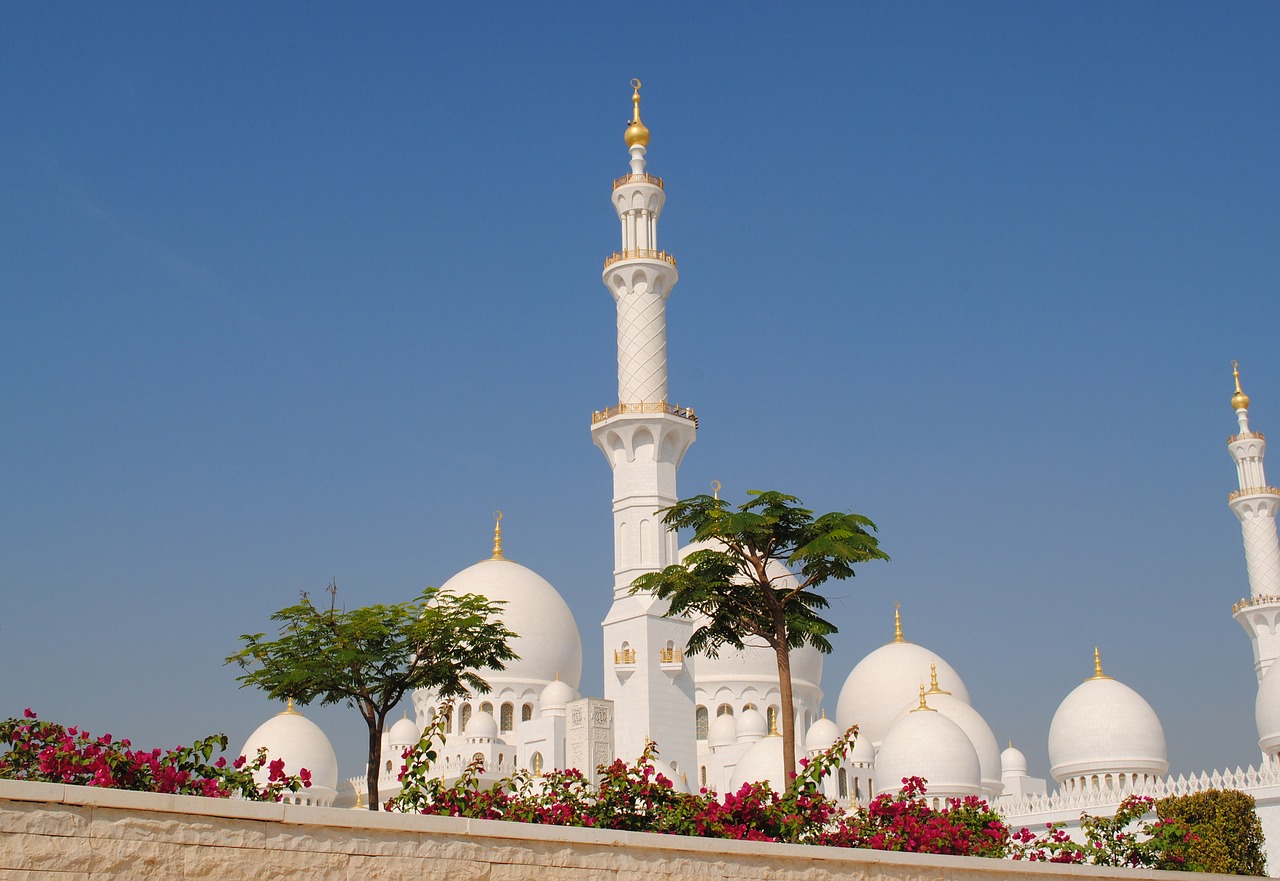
{"type": "Point", "coordinates": [1105, 727]}
{"type": "Point", "coordinates": [978, 732]}
{"type": "Point", "coordinates": [751, 725]}
{"type": "Point", "coordinates": [481, 726]}
{"type": "Point", "coordinates": [722, 731]}
{"type": "Point", "coordinates": [678, 783]}
{"type": "Point", "coordinates": [927, 744]}
{"type": "Point", "coordinates": [547, 640]}
{"type": "Point", "coordinates": [821, 734]}
{"type": "Point", "coordinates": [762, 763]}
{"type": "Point", "coordinates": [1266, 711]}
{"type": "Point", "coordinates": [555, 697]}
{"type": "Point", "coordinates": [863, 753]}
{"type": "Point", "coordinates": [757, 664]}
{"type": "Point", "coordinates": [1013, 763]}
{"type": "Point", "coordinates": [300, 742]}
{"type": "Point", "coordinates": [886, 682]}
{"type": "Point", "coordinates": [404, 733]}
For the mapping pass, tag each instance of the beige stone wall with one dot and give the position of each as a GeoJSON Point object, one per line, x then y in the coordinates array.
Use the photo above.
{"type": "Point", "coordinates": [49, 831]}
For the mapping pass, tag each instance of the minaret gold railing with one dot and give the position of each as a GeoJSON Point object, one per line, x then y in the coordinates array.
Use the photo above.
{"type": "Point", "coordinates": [1260, 600]}
{"type": "Point", "coordinates": [1246, 435]}
{"type": "Point", "coordinates": [644, 407]}
{"type": "Point", "coordinates": [1253, 491]}
{"type": "Point", "coordinates": [634, 253]}
{"type": "Point", "coordinates": [644, 178]}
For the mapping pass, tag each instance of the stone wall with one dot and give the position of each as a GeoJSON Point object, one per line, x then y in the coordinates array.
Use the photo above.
{"type": "Point", "coordinates": [48, 831]}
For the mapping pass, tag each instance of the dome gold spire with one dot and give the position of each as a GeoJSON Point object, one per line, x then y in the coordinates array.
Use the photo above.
{"type": "Point", "coordinates": [923, 705]}
{"type": "Point", "coordinates": [934, 688]}
{"type": "Point", "coordinates": [497, 536]}
{"type": "Point", "coordinates": [1239, 401]}
{"type": "Point", "coordinates": [637, 134]}
{"type": "Point", "coordinates": [897, 623]}
{"type": "Point", "coordinates": [1097, 666]}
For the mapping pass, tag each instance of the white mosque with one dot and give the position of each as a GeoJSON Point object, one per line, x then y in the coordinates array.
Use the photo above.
{"type": "Point", "coordinates": [715, 718]}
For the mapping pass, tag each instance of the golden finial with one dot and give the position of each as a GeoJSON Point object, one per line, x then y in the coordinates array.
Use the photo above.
{"type": "Point", "coordinates": [359, 799]}
{"type": "Point", "coordinates": [897, 623]}
{"type": "Point", "coordinates": [497, 536]}
{"type": "Point", "coordinates": [923, 705]}
{"type": "Point", "coordinates": [715, 489]}
{"type": "Point", "coordinates": [1097, 666]}
{"type": "Point", "coordinates": [933, 680]}
{"type": "Point", "coordinates": [773, 724]}
{"type": "Point", "coordinates": [824, 712]}
{"type": "Point", "coordinates": [1239, 401]}
{"type": "Point", "coordinates": [637, 134]}
{"type": "Point", "coordinates": [289, 708]}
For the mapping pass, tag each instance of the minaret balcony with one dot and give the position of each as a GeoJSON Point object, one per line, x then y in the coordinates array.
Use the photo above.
{"type": "Point", "coordinates": [639, 253]}
{"type": "Point", "coordinates": [1254, 491]}
{"type": "Point", "coordinates": [642, 178]}
{"type": "Point", "coordinates": [1260, 600]}
{"type": "Point", "coordinates": [644, 407]}
{"type": "Point", "coordinates": [671, 661]}
{"type": "Point", "coordinates": [1246, 435]}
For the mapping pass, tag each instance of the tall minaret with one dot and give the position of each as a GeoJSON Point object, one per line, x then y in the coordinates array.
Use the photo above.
{"type": "Point", "coordinates": [644, 438]}
{"type": "Point", "coordinates": [1255, 505]}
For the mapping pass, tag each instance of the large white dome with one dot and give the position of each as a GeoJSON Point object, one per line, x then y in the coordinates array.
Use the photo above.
{"type": "Point", "coordinates": [925, 743]}
{"type": "Point", "coordinates": [1105, 727]}
{"type": "Point", "coordinates": [1266, 711]}
{"type": "Point", "coordinates": [978, 732]}
{"type": "Point", "coordinates": [297, 740]}
{"type": "Point", "coordinates": [762, 763]}
{"type": "Point", "coordinates": [886, 682]}
{"type": "Point", "coordinates": [547, 640]}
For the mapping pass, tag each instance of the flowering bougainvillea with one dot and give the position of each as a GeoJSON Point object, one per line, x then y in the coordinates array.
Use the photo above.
{"type": "Point", "coordinates": [636, 797]}
{"type": "Point", "coordinates": [32, 749]}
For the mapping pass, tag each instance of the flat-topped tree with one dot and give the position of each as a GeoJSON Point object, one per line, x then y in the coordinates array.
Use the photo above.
{"type": "Point", "coordinates": [371, 657]}
{"type": "Point", "coordinates": [757, 575]}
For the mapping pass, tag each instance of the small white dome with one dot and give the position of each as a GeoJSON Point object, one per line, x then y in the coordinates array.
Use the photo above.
{"type": "Point", "coordinates": [1266, 711]}
{"type": "Point", "coordinates": [300, 742]}
{"type": "Point", "coordinates": [863, 753]}
{"type": "Point", "coordinates": [482, 726]}
{"type": "Point", "coordinates": [1013, 763]}
{"type": "Point", "coordinates": [886, 682]}
{"type": "Point", "coordinates": [678, 783]}
{"type": "Point", "coordinates": [404, 733]}
{"type": "Point", "coordinates": [978, 732]}
{"type": "Point", "coordinates": [547, 638]}
{"type": "Point", "coordinates": [927, 744]}
{"type": "Point", "coordinates": [722, 731]}
{"type": "Point", "coordinates": [1105, 727]}
{"type": "Point", "coordinates": [762, 763]}
{"type": "Point", "coordinates": [821, 734]}
{"type": "Point", "coordinates": [751, 725]}
{"type": "Point", "coordinates": [555, 697]}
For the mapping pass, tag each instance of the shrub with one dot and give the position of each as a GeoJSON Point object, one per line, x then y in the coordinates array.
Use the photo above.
{"type": "Point", "coordinates": [1228, 835]}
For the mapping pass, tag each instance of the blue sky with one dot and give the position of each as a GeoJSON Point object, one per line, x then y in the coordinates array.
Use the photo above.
{"type": "Point", "coordinates": [307, 291]}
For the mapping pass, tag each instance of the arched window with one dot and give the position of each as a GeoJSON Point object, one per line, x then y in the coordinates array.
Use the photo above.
{"type": "Point", "coordinates": [508, 717]}
{"type": "Point", "coordinates": [464, 718]}
{"type": "Point", "coordinates": [448, 719]}
{"type": "Point", "coordinates": [526, 712]}
{"type": "Point", "coordinates": [535, 761]}
{"type": "Point", "coordinates": [703, 723]}
{"type": "Point", "coordinates": [702, 776]}
{"type": "Point", "coordinates": [388, 766]}
{"type": "Point", "coordinates": [486, 707]}
{"type": "Point", "coordinates": [724, 710]}
{"type": "Point", "coordinates": [842, 778]}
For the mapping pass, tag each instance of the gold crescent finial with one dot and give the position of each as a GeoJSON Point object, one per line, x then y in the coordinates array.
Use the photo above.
{"type": "Point", "coordinates": [1097, 666]}
{"type": "Point", "coordinates": [897, 622]}
{"type": "Point", "coordinates": [715, 489]}
{"type": "Point", "coordinates": [289, 707]}
{"type": "Point", "coordinates": [637, 134]}
{"type": "Point", "coordinates": [933, 679]}
{"type": "Point", "coordinates": [923, 704]}
{"type": "Point", "coordinates": [497, 536]}
{"type": "Point", "coordinates": [1239, 401]}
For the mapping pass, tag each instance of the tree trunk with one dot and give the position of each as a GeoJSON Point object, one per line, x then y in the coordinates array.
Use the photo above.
{"type": "Point", "coordinates": [788, 708]}
{"type": "Point", "coordinates": [375, 762]}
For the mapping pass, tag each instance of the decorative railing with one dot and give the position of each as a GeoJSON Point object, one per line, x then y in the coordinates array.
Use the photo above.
{"type": "Point", "coordinates": [671, 656]}
{"type": "Point", "coordinates": [639, 179]}
{"type": "Point", "coordinates": [633, 253]}
{"type": "Point", "coordinates": [624, 656]}
{"type": "Point", "coordinates": [1262, 599]}
{"type": "Point", "coordinates": [1254, 491]}
{"type": "Point", "coordinates": [644, 407]}
{"type": "Point", "coordinates": [1093, 797]}
{"type": "Point", "coordinates": [1246, 435]}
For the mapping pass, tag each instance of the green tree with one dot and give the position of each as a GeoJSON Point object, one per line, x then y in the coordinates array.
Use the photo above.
{"type": "Point", "coordinates": [371, 657]}
{"type": "Point", "coordinates": [1226, 833]}
{"type": "Point", "coordinates": [741, 581]}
